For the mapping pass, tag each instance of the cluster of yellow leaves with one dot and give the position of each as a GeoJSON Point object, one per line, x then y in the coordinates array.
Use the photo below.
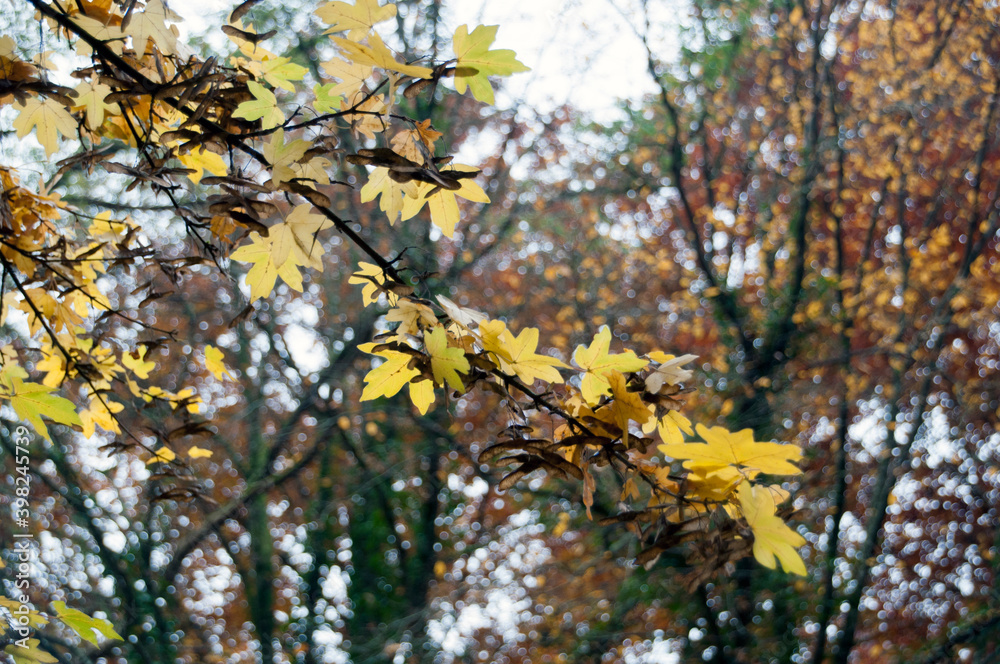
{"type": "Point", "coordinates": [57, 316]}
{"type": "Point", "coordinates": [27, 651]}
{"type": "Point", "coordinates": [612, 397]}
{"type": "Point", "coordinates": [289, 245]}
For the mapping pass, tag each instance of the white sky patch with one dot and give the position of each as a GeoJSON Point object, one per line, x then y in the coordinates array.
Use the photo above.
{"type": "Point", "coordinates": [581, 52]}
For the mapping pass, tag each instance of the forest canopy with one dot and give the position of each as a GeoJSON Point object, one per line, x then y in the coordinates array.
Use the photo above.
{"type": "Point", "coordinates": [284, 381]}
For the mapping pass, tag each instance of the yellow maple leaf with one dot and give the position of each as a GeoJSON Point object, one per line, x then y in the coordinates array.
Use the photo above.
{"type": "Point", "coordinates": [352, 76]}
{"type": "Point", "coordinates": [138, 363]}
{"type": "Point", "coordinates": [494, 336]}
{"type": "Point", "coordinates": [464, 316]}
{"type": "Point", "coordinates": [411, 316]}
{"type": "Point", "coordinates": [377, 54]}
{"type": "Point", "coordinates": [100, 413]}
{"type": "Point", "coordinates": [199, 453]}
{"type": "Point", "coordinates": [422, 394]}
{"type": "Point", "coordinates": [405, 142]}
{"type": "Point", "coordinates": [326, 100]}
{"type": "Point", "coordinates": [29, 653]}
{"type": "Point", "coordinates": [264, 273]}
{"type": "Point", "coordinates": [294, 240]}
{"type": "Point", "coordinates": [88, 628]}
{"type": "Point", "coordinates": [442, 203]}
{"type": "Point", "coordinates": [388, 378]}
{"type": "Point", "coordinates": [625, 405]}
{"type": "Point", "coordinates": [358, 19]}
{"type": "Point", "coordinates": [48, 118]}
{"type": "Point", "coordinates": [772, 538]}
{"type": "Point", "coordinates": [215, 364]}
{"type": "Point", "coordinates": [597, 361]}
{"type": "Point", "coordinates": [203, 160]}
{"type": "Point", "coordinates": [392, 192]}
{"type": "Point", "coordinates": [517, 355]}
{"type": "Point", "coordinates": [90, 97]}
{"type": "Point", "coordinates": [446, 361]}
{"type": "Point", "coordinates": [369, 120]}
{"type": "Point", "coordinates": [150, 23]}
{"type": "Point", "coordinates": [280, 72]}
{"type": "Point", "coordinates": [371, 276]}
{"type": "Point", "coordinates": [670, 426]}
{"type": "Point", "coordinates": [529, 365]}
{"type": "Point", "coordinates": [162, 455]}
{"type": "Point", "coordinates": [32, 401]}
{"type": "Point", "coordinates": [283, 155]}
{"type": "Point", "coordinates": [263, 107]}
{"type": "Point", "coordinates": [102, 30]}
{"type": "Point", "coordinates": [739, 449]}
{"type": "Point", "coordinates": [476, 63]}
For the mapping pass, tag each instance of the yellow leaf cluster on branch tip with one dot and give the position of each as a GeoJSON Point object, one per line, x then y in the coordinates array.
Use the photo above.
{"type": "Point", "coordinates": [290, 244]}
{"type": "Point", "coordinates": [715, 469]}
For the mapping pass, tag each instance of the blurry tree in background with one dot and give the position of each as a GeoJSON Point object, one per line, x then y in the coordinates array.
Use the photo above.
{"type": "Point", "coordinates": [812, 201]}
{"type": "Point", "coordinates": [810, 205]}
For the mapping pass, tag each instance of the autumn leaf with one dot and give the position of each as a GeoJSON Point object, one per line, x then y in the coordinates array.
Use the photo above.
{"type": "Point", "coordinates": [352, 77]}
{"type": "Point", "coordinates": [48, 118]}
{"type": "Point", "coordinates": [625, 405]}
{"type": "Point", "coordinates": [517, 355]}
{"type": "Point", "coordinates": [411, 316]}
{"type": "Point", "coordinates": [669, 372]}
{"type": "Point", "coordinates": [406, 142]}
{"type": "Point", "coordinates": [446, 361]}
{"type": "Point", "coordinates": [280, 72]}
{"type": "Point", "coordinates": [422, 394]}
{"type": "Point", "coordinates": [32, 618]}
{"type": "Point", "coordinates": [162, 455]}
{"type": "Point", "coordinates": [442, 203]}
{"type": "Point", "coordinates": [203, 160]}
{"type": "Point", "coordinates": [32, 402]}
{"type": "Point", "coordinates": [151, 23]}
{"type": "Point", "coordinates": [371, 276]}
{"type": "Point", "coordinates": [772, 538]}
{"type": "Point", "coordinates": [214, 362]}
{"type": "Point", "coordinates": [392, 192]}
{"type": "Point", "coordinates": [495, 337]}
{"type": "Point", "coordinates": [264, 273]}
{"type": "Point", "coordinates": [30, 655]}
{"type": "Point", "coordinates": [476, 62]}
{"type": "Point", "coordinates": [199, 453]}
{"type": "Point", "coordinates": [101, 413]}
{"type": "Point", "coordinates": [138, 363]}
{"type": "Point", "coordinates": [295, 239]}
{"type": "Point", "coordinates": [327, 100]}
{"type": "Point", "coordinates": [263, 107]}
{"type": "Point", "coordinates": [90, 97]}
{"type": "Point", "coordinates": [86, 627]}
{"type": "Point", "coordinates": [282, 156]}
{"type": "Point", "coordinates": [596, 361]}
{"type": "Point", "coordinates": [377, 54]}
{"type": "Point", "coordinates": [739, 449]}
{"type": "Point", "coordinates": [671, 426]}
{"type": "Point", "coordinates": [464, 316]}
{"type": "Point", "coordinates": [369, 119]}
{"type": "Point", "coordinates": [358, 19]}
{"type": "Point", "coordinates": [388, 378]}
